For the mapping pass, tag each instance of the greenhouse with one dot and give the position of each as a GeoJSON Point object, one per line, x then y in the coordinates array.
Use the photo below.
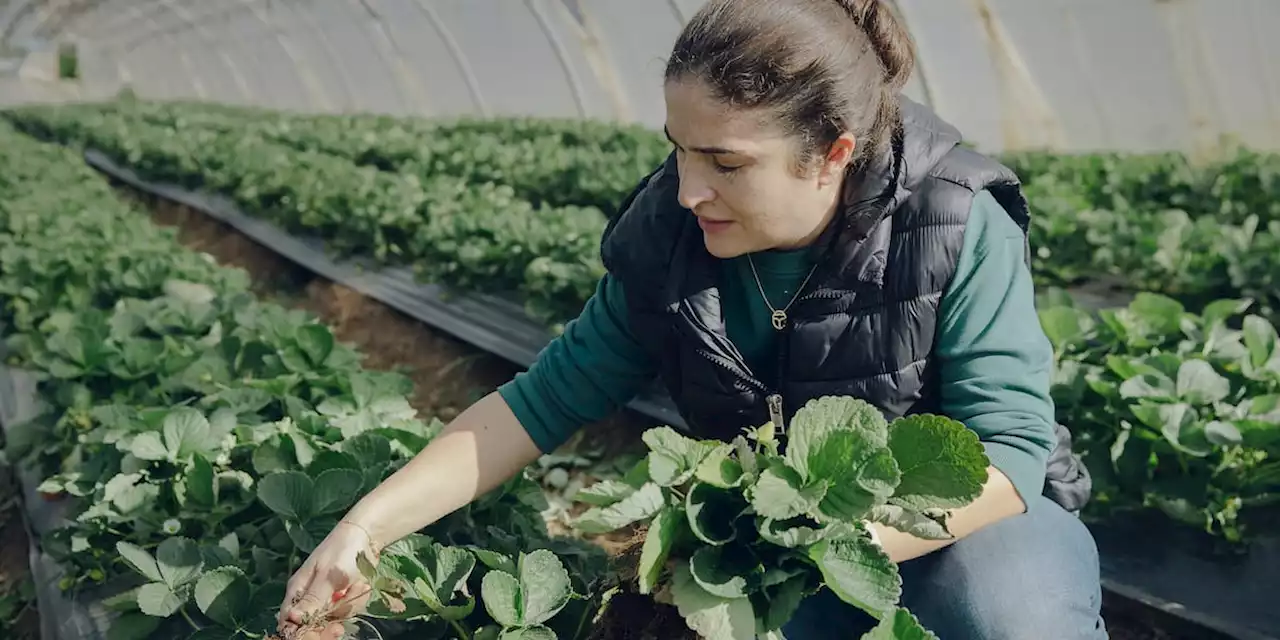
{"type": "Point", "coordinates": [257, 255]}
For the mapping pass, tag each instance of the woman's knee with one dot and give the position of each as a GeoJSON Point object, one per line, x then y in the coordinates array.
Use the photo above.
{"type": "Point", "coordinates": [1032, 576]}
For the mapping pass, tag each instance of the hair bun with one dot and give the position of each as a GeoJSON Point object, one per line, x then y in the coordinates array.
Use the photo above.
{"type": "Point", "coordinates": [890, 39]}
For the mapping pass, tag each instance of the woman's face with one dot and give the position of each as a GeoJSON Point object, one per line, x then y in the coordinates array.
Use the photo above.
{"type": "Point", "coordinates": [739, 175]}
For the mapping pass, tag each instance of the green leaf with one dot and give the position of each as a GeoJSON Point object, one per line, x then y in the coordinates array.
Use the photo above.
{"type": "Point", "coordinates": [223, 595]}
{"type": "Point", "coordinates": [186, 431]}
{"type": "Point", "coordinates": [902, 625]}
{"type": "Point", "coordinates": [148, 446]}
{"type": "Point", "coordinates": [784, 601]}
{"type": "Point", "coordinates": [644, 503]}
{"type": "Point", "coordinates": [446, 570]}
{"type": "Point", "coordinates": [1222, 434]}
{"type": "Point", "coordinates": [500, 592]}
{"type": "Point", "coordinates": [673, 458]}
{"type": "Point", "coordinates": [657, 547]}
{"type": "Point", "coordinates": [719, 470]}
{"type": "Point", "coordinates": [798, 533]}
{"type": "Point", "coordinates": [818, 418]}
{"type": "Point", "coordinates": [1064, 326]}
{"type": "Point", "coordinates": [140, 560]}
{"type": "Point", "coordinates": [1198, 383]}
{"type": "Point", "coordinates": [316, 341]}
{"type": "Point", "coordinates": [268, 458]}
{"type": "Point", "coordinates": [157, 599]}
{"type": "Point", "coordinates": [710, 616]}
{"type": "Point", "coordinates": [494, 560]}
{"type": "Point", "coordinates": [929, 524]}
{"type": "Point", "coordinates": [713, 513]}
{"type": "Point", "coordinates": [179, 561]}
{"type": "Point", "coordinates": [335, 490]}
{"type": "Point", "coordinates": [1219, 311]}
{"type": "Point", "coordinates": [859, 478]}
{"type": "Point", "coordinates": [544, 587]}
{"type": "Point", "coordinates": [1179, 423]}
{"type": "Point", "coordinates": [200, 482]}
{"type": "Point", "coordinates": [1260, 339]}
{"type": "Point", "coordinates": [1148, 384]}
{"type": "Point", "coordinates": [778, 495]}
{"type": "Point", "coordinates": [536, 632]}
{"type": "Point", "coordinates": [859, 573]}
{"type": "Point", "coordinates": [128, 492]}
{"type": "Point", "coordinates": [1160, 314]}
{"type": "Point", "coordinates": [287, 493]}
{"type": "Point", "coordinates": [717, 573]}
{"type": "Point", "coordinates": [604, 493]}
{"type": "Point", "coordinates": [942, 462]}
{"type": "Point", "coordinates": [133, 626]}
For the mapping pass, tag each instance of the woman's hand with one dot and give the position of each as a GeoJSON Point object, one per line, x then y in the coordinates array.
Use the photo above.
{"type": "Point", "coordinates": [328, 588]}
{"type": "Point", "coordinates": [446, 475]}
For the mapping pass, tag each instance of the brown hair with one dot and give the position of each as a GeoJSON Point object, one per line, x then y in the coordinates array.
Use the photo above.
{"type": "Point", "coordinates": [820, 67]}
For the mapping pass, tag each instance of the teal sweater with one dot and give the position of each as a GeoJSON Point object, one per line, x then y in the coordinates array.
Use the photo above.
{"type": "Point", "coordinates": [994, 359]}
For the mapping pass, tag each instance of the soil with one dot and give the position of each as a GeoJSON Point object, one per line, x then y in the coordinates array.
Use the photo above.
{"type": "Point", "coordinates": [448, 376]}
{"type": "Point", "coordinates": [19, 619]}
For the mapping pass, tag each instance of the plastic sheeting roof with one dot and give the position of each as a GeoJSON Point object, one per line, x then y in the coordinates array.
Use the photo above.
{"type": "Point", "coordinates": [1066, 74]}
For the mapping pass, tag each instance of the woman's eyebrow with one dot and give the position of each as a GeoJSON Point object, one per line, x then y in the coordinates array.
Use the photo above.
{"type": "Point", "coordinates": [706, 150]}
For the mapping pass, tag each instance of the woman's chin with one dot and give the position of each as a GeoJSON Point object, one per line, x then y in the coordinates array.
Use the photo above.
{"type": "Point", "coordinates": [724, 247]}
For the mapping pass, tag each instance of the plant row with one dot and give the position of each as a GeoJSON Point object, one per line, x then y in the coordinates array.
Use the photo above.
{"type": "Point", "coordinates": [556, 162]}
{"type": "Point", "coordinates": [473, 237]}
{"type": "Point", "coordinates": [202, 442]}
{"type": "Point", "coordinates": [1173, 410]}
{"type": "Point", "coordinates": [515, 204]}
{"type": "Point", "coordinates": [1195, 259]}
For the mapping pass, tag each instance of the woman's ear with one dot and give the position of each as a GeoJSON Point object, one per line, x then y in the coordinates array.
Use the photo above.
{"type": "Point", "coordinates": [837, 160]}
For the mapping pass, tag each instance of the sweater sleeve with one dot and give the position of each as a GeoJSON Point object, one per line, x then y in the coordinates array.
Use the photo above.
{"type": "Point", "coordinates": [995, 360]}
{"type": "Point", "coordinates": [582, 375]}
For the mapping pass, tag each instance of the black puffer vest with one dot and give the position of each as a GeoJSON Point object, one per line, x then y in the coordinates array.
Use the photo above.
{"type": "Point", "coordinates": [866, 325]}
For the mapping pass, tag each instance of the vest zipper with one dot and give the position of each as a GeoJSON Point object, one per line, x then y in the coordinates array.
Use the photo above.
{"type": "Point", "coordinates": [774, 400]}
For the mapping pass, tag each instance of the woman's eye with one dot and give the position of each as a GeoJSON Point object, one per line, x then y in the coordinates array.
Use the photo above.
{"type": "Point", "coordinates": [726, 168]}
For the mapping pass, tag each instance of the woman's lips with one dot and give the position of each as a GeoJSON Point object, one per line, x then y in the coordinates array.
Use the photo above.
{"type": "Point", "coordinates": [713, 226]}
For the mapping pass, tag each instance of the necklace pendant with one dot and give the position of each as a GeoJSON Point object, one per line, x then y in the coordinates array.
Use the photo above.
{"type": "Point", "coordinates": [779, 320]}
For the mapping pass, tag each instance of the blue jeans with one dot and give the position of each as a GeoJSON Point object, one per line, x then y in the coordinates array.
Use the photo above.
{"type": "Point", "coordinates": [1032, 576]}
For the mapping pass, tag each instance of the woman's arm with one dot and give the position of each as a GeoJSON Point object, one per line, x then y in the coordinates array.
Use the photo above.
{"type": "Point", "coordinates": [478, 451]}
{"type": "Point", "coordinates": [996, 366]}
{"type": "Point", "coordinates": [582, 376]}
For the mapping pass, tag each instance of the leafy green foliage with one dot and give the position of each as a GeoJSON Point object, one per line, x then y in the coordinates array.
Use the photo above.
{"type": "Point", "coordinates": [741, 533]}
{"type": "Point", "coordinates": [1174, 411]}
{"type": "Point", "coordinates": [447, 212]}
{"type": "Point", "coordinates": [205, 441]}
{"type": "Point", "coordinates": [1156, 222]}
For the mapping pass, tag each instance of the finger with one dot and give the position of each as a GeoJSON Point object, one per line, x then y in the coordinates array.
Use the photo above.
{"type": "Point", "coordinates": [334, 631]}
{"type": "Point", "coordinates": [296, 586]}
{"type": "Point", "coordinates": [308, 604]}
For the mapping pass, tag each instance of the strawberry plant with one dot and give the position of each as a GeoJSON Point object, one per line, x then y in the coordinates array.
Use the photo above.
{"type": "Point", "coordinates": [740, 533]}
{"type": "Point", "coordinates": [522, 596]}
{"type": "Point", "coordinates": [1174, 411]}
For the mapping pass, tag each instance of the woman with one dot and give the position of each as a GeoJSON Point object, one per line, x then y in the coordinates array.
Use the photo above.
{"type": "Point", "coordinates": [812, 234]}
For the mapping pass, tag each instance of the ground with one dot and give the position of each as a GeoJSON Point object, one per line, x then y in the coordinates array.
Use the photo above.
{"type": "Point", "coordinates": [19, 619]}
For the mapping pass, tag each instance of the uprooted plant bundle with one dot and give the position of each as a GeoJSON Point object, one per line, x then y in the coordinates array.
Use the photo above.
{"type": "Point", "coordinates": [739, 534]}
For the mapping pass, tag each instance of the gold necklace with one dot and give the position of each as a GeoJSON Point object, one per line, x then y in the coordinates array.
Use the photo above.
{"type": "Point", "coordinates": [779, 316]}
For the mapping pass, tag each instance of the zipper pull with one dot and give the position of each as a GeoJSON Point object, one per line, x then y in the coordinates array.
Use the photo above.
{"type": "Point", "coordinates": [775, 412]}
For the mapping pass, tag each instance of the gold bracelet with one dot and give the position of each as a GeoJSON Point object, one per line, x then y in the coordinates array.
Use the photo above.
{"type": "Point", "coordinates": [373, 545]}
